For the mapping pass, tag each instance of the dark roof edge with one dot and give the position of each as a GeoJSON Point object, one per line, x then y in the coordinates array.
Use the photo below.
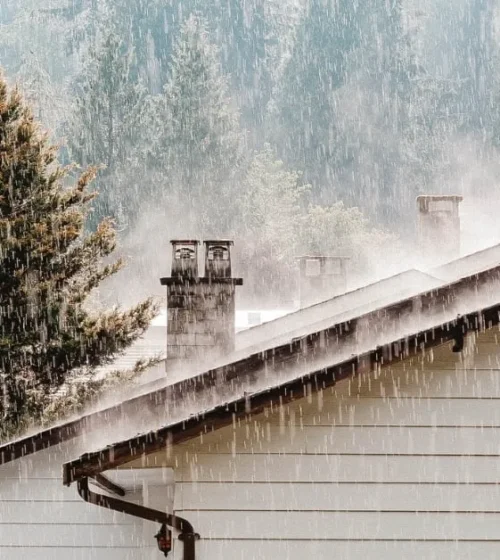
{"type": "Point", "coordinates": [68, 430]}
{"type": "Point", "coordinates": [225, 414]}
{"type": "Point", "coordinates": [186, 280]}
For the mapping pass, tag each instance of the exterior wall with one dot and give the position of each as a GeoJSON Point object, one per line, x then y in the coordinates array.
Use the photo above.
{"type": "Point", "coordinates": [41, 518]}
{"type": "Point", "coordinates": [399, 463]}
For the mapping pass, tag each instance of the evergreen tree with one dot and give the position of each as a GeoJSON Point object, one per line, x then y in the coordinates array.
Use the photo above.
{"type": "Point", "coordinates": [245, 33]}
{"type": "Point", "coordinates": [305, 109]}
{"type": "Point", "coordinates": [474, 67]}
{"type": "Point", "coordinates": [48, 270]}
{"type": "Point", "coordinates": [199, 141]}
{"type": "Point", "coordinates": [382, 80]}
{"type": "Point", "coordinates": [106, 124]}
{"type": "Point", "coordinates": [268, 240]}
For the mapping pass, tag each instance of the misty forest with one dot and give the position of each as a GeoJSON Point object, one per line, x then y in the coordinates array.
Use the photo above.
{"type": "Point", "coordinates": [249, 279]}
{"type": "Point", "coordinates": [290, 126]}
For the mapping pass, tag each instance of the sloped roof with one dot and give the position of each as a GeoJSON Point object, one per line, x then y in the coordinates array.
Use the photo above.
{"type": "Point", "coordinates": [469, 264]}
{"type": "Point", "coordinates": [333, 346]}
{"type": "Point", "coordinates": [317, 361]}
{"type": "Point", "coordinates": [355, 302]}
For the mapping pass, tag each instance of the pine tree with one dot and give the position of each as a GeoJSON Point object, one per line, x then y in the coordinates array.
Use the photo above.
{"type": "Point", "coordinates": [305, 110]}
{"type": "Point", "coordinates": [244, 32]}
{"type": "Point", "coordinates": [474, 63]}
{"type": "Point", "coordinates": [48, 269]}
{"type": "Point", "coordinates": [199, 141]}
{"type": "Point", "coordinates": [105, 127]}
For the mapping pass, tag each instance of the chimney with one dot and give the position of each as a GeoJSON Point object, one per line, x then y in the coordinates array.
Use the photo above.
{"type": "Point", "coordinates": [218, 259]}
{"type": "Point", "coordinates": [200, 310]}
{"type": "Point", "coordinates": [321, 278]}
{"type": "Point", "coordinates": [439, 227]}
{"type": "Point", "coordinates": [184, 258]}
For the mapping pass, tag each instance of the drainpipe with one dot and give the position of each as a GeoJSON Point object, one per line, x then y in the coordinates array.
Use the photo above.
{"type": "Point", "coordinates": [187, 534]}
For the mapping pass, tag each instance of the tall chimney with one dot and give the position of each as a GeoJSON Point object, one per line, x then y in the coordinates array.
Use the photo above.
{"type": "Point", "coordinates": [200, 310]}
{"type": "Point", "coordinates": [321, 278]}
{"type": "Point", "coordinates": [439, 227]}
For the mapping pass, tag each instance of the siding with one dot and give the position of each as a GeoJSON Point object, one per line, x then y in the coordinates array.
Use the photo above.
{"type": "Point", "coordinates": [41, 518]}
{"type": "Point", "coordinates": [401, 463]}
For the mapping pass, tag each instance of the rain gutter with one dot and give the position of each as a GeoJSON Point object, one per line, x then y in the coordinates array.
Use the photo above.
{"type": "Point", "coordinates": [184, 527]}
{"type": "Point", "coordinates": [244, 368]}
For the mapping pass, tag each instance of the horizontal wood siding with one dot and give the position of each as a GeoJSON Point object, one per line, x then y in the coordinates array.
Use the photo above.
{"type": "Point", "coordinates": [403, 462]}
{"type": "Point", "coordinates": [312, 550]}
{"type": "Point", "coordinates": [331, 497]}
{"type": "Point", "coordinates": [41, 518]}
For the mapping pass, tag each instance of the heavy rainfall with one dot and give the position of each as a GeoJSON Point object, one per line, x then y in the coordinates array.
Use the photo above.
{"type": "Point", "coordinates": [250, 266]}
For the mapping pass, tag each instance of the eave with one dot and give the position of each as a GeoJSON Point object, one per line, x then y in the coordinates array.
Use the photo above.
{"type": "Point", "coordinates": [226, 414]}
{"type": "Point", "coordinates": [250, 366]}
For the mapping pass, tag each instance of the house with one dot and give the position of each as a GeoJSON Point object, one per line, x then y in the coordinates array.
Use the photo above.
{"type": "Point", "coordinates": [372, 434]}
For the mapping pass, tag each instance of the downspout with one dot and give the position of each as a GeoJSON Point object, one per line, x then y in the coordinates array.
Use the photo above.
{"type": "Point", "coordinates": [187, 534]}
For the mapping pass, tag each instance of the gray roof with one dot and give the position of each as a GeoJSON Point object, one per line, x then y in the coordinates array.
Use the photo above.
{"type": "Point", "coordinates": [341, 307]}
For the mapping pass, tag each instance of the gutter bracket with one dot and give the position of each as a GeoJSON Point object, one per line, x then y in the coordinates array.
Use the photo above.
{"type": "Point", "coordinates": [187, 533]}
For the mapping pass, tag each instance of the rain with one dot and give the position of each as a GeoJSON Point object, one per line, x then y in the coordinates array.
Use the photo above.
{"type": "Point", "coordinates": [250, 262]}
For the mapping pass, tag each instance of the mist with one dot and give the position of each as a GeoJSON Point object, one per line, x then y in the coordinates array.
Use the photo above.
{"type": "Point", "coordinates": [293, 127]}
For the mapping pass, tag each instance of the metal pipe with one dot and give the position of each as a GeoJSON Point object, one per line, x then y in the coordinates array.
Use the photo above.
{"type": "Point", "coordinates": [109, 485]}
{"type": "Point", "coordinates": [187, 534]}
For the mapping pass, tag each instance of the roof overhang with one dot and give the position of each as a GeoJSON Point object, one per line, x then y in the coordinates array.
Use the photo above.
{"type": "Point", "coordinates": [226, 414]}
{"type": "Point", "coordinates": [250, 365]}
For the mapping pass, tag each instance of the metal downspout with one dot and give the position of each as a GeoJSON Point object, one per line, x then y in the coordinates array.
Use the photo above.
{"type": "Point", "coordinates": [187, 534]}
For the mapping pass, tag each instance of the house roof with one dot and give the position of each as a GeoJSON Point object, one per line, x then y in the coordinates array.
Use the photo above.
{"type": "Point", "coordinates": [335, 351]}
{"type": "Point", "coordinates": [469, 264]}
{"type": "Point", "coordinates": [341, 307]}
{"type": "Point", "coordinates": [226, 413]}
{"type": "Point", "coordinates": [319, 372]}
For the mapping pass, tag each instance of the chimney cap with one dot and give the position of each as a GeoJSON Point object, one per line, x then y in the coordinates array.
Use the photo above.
{"type": "Point", "coordinates": [337, 257]}
{"type": "Point", "coordinates": [186, 241]}
{"type": "Point", "coordinates": [424, 199]}
{"type": "Point", "coordinates": [457, 197]}
{"type": "Point", "coordinates": [223, 241]}
{"type": "Point", "coordinates": [430, 202]}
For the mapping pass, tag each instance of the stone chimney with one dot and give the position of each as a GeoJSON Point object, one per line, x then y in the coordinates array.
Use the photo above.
{"type": "Point", "coordinates": [200, 310]}
{"type": "Point", "coordinates": [321, 278]}
{"type": "Point", "coordinates": [439, 227]}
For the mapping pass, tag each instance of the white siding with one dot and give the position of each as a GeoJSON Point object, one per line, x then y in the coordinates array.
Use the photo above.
{"type": "Point", "coordinates": [41, 518]}
{"type": "Point", "coordinates": [401, 463]}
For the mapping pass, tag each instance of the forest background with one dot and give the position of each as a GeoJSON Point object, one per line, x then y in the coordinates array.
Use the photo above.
{"type": "Point", "coordinates": [290, 126]}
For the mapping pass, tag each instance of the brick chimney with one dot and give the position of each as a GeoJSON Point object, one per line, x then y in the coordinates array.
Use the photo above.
{"type": "Point", "coordinates": [439, 227]}
{"type": "Point", "coordinates": [200, 310]}
{"type": "Point", "coordinates": [321, 278]}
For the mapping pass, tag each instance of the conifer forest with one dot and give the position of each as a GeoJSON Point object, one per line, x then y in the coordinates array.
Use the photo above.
{"type": "Point", "coordinates": [290, 126]}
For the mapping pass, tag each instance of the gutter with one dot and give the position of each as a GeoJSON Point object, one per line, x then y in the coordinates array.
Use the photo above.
{"type": "Point", "coordinates": [438, 298]}
{"type": "Point", "coordinates": [184, 527]}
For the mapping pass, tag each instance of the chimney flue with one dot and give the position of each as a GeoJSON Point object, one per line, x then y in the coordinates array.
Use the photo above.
{"type": "Point", "coordinates": [321, 278]}
{"type": "Point", "coordinates": [218, 258]}
{"type": "Point", "coordinates": [184, 258]}
{"type": "Point", "coordinates": [439, 227]}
